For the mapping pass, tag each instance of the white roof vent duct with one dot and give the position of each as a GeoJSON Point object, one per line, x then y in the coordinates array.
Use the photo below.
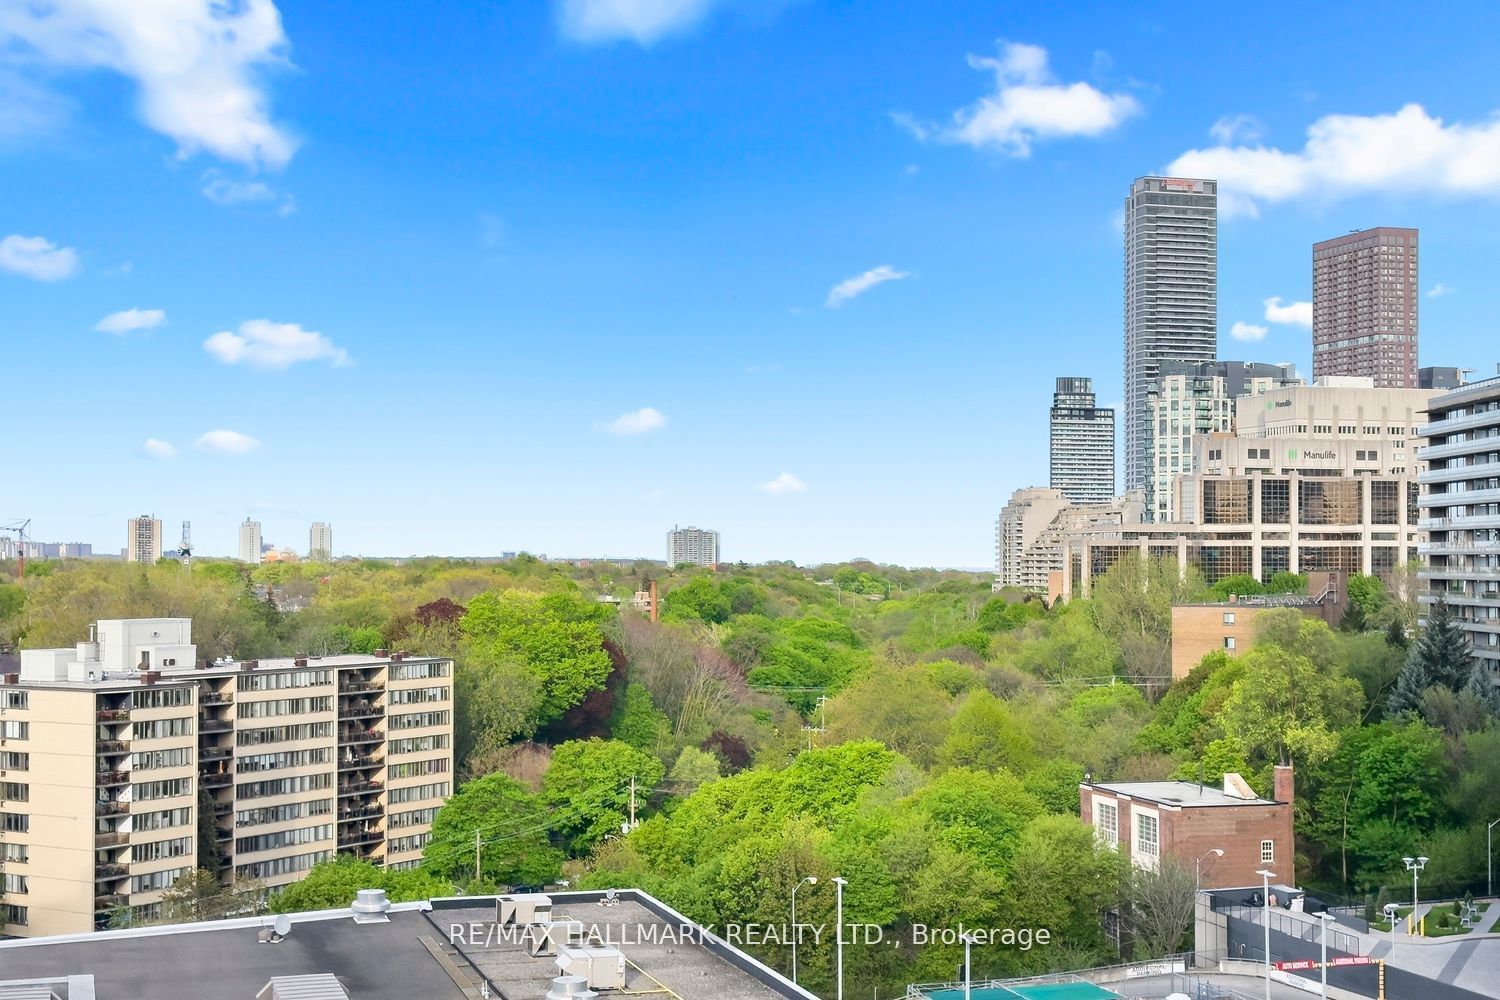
{"type": "Point", "coordinates": [370, 907]}
{"type": "Point", "coordinates": [570, 988]}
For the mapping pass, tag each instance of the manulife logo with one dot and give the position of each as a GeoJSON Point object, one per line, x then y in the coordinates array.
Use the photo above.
{"type": "Point", "coordinates": [1291, 455]}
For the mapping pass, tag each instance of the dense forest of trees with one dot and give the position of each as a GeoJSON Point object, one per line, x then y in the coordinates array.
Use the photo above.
{"type": "Point", "coordinates": [906, 729]}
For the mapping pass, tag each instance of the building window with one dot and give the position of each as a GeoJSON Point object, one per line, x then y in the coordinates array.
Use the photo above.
{"type": "Point", "coordinates": [1229, 618]}
{"type": "Point", "coordinates": [1147, 839]}
{"type": "Point", "coordinates": [1267, 852]}
{"type": "Point", "coordinates": [1107, 822]}
{"type": "Point", "coordinates": [1229, 642]}
{"type": "Point", "coordinates": [11, 914]}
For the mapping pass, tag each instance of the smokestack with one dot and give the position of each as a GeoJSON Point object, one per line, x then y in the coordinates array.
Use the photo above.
{"type": "Point", "coordinates": [1285, 790]}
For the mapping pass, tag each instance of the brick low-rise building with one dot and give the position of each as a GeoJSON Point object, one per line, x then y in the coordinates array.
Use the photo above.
{"type": "Point", "coordinates": [1151, 820]}
{"type": "Point", "coordinates": [1199, 629]}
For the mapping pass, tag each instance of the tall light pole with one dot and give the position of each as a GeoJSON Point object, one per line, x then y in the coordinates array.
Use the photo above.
{"type": "Point", "coordinates": [796, 931]}
{"type": "Point", "coordinates": [1415, 866]}
{"type": "Point", "coordinates": [1489, 856]}
{"type": "Point", "coordinates": [839, 884]}
{"type": "Point", "coordinates": [1391, 909]}
{"type": "Point", "coordinates": [1326, 919]}
{"type": "Point", "coordinates": [968, 970]}
{"type": "Point", "coordinates": [1266, 876]}
{"type": "Point", "coordinates": [1197, 881]}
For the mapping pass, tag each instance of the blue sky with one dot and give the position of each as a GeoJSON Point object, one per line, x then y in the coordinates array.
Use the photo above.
{"type": "Point", "coordinates": [556, 276]}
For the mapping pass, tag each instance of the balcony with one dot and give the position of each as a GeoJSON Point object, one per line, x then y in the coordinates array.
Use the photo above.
{"type": "Point", "coordinates": [208, 726]}
{"type": "Point", "coordinates": [110, 779]}
{"type": "Point", "coordinates": [109, 901]}
{"type": "Point", "coordinates": [1449, 425]}
{"type": "Point", "coordinates": [107, 872]}
{"type": "Point", "coordinates": [362, 812]}
{"type": "Point", "coordinates": [1454, 474]}
{"type": "Point", "coordinates": [111, 808]}
{"type": "Point", "coordinates": [363, 837]}
{"type": "Point", "coordinates": [353, 686]}
{"type": "Point", "coordinates": [113, 715]}
{"type": "Point", "coordinates": [111, 747]}
{"type": "Point", "coordinates": [214, 753]}
{"type": "Point", "coordinates": [216, 779]}
{"type": "Point", "coordinates": [359, 788]}
{"type": "Point", "coordinates": [361, 761]}
{"type": "Point", "coordinates": [360, 736]}
{"type": "Point", "coordinates": [114, 838]}
{"type": "Point", "coordinates": [1466, 522]}
{"type": "Point", "coordinates": [361, 710]}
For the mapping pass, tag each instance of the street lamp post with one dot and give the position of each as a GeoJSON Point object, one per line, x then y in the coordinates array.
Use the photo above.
{"type": "Point", "coordinates": [1415, 866]}
{"type": "Point", "coordinates": [1197, 881]}
{"type": "Point", "coordinates": [1489, 856]}
{"type": "Point", "coordinates": [1391, 909]}
{"type": "Point", "coordinates": [1266, 876]}
{"type": "Point", "coordinates": [796, 931]}
{"type": "Point", "coordinates": [839, 884]}
{"type": "Point", "coordinates": [968, 969]}
{"type": "Point", "coordinates": [1326, 919]}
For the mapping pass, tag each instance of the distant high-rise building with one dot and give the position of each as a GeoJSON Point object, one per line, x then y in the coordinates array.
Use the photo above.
{"type": "Point", "coordinates": [320, 541]}
{"type": "Point", "coordinates": [250, 541]}
{"type": "Point", "coordinates": [1442, 378]}
{"type": "Point", "coordinates": [143, 539]}
{"type": "Point", "coordinates": [1187, 399]}
{"type": "Point", "coordinates": [1365, 306]}
{"type": "Point", "coordinates": [1251, 378]}
{"type": "Point", "coordinates": [1083, 443]}
{"type": "Point", "coordinates": [1171, 294]}
{"type": "Point", "coordinates": [696, 546]}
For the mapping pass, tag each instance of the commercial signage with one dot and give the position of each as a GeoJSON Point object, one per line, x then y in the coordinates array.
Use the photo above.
{"type": "Point", "coordinates": [1179, 184]}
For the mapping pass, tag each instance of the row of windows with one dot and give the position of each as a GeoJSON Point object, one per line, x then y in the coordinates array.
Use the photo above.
{"type": "Point", "coordinates": [417, 720]}
{"type": "Point", "coordinates": [10, 729]}
{"type": "Point", "coordinates": [179, 757]}
{"type": "Point", "coordinates": [161, 819]}
{"type": "Point", "coordinates": [170, 788]}
{"type": "Point", "coordinates": [418, 768]}
{"type": "Point", "coordinates": [173, 697]}
{"type": "Point", "coordinates": [177, 847]}
{"type": "Point", "coordinates": [14, 822]}
{"type": "Point", "coordinates": [13, 852]}
{"type": "Point", "coordinates": [15, 883]}
{"type": "Point", "coordinates": [284, 734]}
{"type": "Point", "coordinates": [416, 744]}
{"type": "Point", "coordinates": [283, 679]}
{"type": "Point", "coordinates": [14, 791]}
{"type": "Point", "coordinates": [162, 729]}
{"type": "Point", "coordinates": [284, 706]}
{"type": "Point", "coordinates": [19, 700]}
{"type": "Point", "coordinates": [14, 760]}
{"type": "Point", "coordinates": [415, 842]}
{"type": "Point", "coordinates": [420, 671]}
{"type": "Point", "coordinates": [284, 786]}
{"type": "Point", "coordinates": [416, 817]}
{"type": "Point", "coordinates": [281, 814]}
{"type": "Point", "coordinates": [419, 793]}
{"type": "Point", "coordinates": [157, 880]}
{"type": "Point", "coordinates": [417, 696]}
{"type": "Point", "coordinates": [284, 758]}
{"type": "Point", "coordinates": [10, 913]}
{"type": "Point", "coordinates": [283, 838]}
{"type": "Point", "coordinates": [281, 866]}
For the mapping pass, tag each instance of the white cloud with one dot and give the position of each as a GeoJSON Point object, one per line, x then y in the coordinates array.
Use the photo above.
{"type": "Point", "coordinates": [131, 319]}
{"type": "Point", "coordinates": [223, 191]}
{"type": "Point", "coordinates": [1237, 128]}
{"type": "Point", "coordinates": [260, 343]}
{"type": "Point", "coordinates": [196, 64]}
{"type": "Point", "coordinates": [641, 421]}
{"type": "Point", "coordinates": [641, 21]}
{"type": "Point", "coordinates": [154, 448]}
{"type": "Point", "coordinates": [37, 257]}
{"type": "Point", "coordinates": [227, 443]}
{"type": "Point", "coordinates": [1348, 155]}
{"type": "Point", "coordinates": [1438, 290]}
{"type": "Point", "coordinates": [861, 283]}
{"type": "Point", "coordinates": [1295, 313]}
{"type": "Point", "coordinates": [1028, 104]}
{"type": "Point", "coordinates": [784, 483]}
{"type": "Point", "coordinates": [1247, 331]}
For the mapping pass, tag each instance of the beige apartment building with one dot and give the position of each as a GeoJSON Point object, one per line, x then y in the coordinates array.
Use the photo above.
{"type": "Point", "coordinates": [110, 750]}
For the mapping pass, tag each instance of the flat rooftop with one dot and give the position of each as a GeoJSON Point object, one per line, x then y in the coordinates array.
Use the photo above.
{"type": "Point", "coordinates": [226, 960]}
{"type": "Point", "coordinates": [1187, 794]}
{"type": "Point", "coordinates": [661, 952]}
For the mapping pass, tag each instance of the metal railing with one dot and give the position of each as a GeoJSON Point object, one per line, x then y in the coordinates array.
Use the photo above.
{"type": "Point", "coordinates": [1303, 926]}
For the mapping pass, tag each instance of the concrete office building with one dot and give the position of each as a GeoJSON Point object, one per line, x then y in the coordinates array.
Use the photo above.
{"type": "Point", "coordinates": [112, 747]}
{"type": "Point", "coordinates": [1336, 408]}
{"type": "Point", "coordinates": [1446, 379]}
{"type": "Point", "coordinates": [143, 539]}
{"type": "Point", "coordinates": [1365, 306]}
{"type": "Point", "coordinates": [1187, 399]}
{"type": "Point", "coordinates": [250, 547]}
{"type": "Point", "coordinates": [1200, 629]}
{"type": "Point", "coordinates": [1251, 378]}
{"type": "Point", "coordinates": [1083, 443]}
{"type": "Point", "coordinates": [1021, 521]}
{"type": "Point", "coordinates": [1461, 512]}
{"type": "Point", "coordinates": [695, 546]}
{"type": "Point", "coordinates": [1171, 294]}
{"type": "Point", "coordinates": [320, 541]}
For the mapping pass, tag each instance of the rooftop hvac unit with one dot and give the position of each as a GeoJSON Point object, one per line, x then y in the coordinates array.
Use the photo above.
{"type": "Point", "coordinates": [570, 988]}
{"type": "Point", "coordinates": [602, 966]}
{"type": "Point", "coordinates": [543, 940]}
{"type": "Point", "coordinates": [524, 909]}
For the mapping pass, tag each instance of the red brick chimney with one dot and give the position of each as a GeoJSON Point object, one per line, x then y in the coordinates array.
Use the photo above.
{"type": "Point", "coordinates": [1285, 790]}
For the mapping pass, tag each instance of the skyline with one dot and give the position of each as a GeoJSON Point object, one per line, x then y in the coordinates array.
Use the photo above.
{"type": "Point", "coordinates": [520, 283]}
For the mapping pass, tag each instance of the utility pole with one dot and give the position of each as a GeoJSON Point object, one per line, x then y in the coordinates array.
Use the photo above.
{"type": "Point", "coordinates": [632, 802]}
{"type": "Point", "coordinates": [476, 855]}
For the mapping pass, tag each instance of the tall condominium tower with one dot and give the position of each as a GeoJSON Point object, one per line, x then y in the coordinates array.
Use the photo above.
{"type": "Point", "coordinates": [250, 541]}
{"type": "Point", "coordinates": [320, 541]}
{"type": "Point", "coordinates": [1083, 443]}
{"type": "Point", "coordinates": [143, 539]}
{"type": "Point", "coordinates": [697, 546]}
{"type": "Point", "coordinates": [1365, 306]}
{"type": "Point", "coordinates": [1171, 293]}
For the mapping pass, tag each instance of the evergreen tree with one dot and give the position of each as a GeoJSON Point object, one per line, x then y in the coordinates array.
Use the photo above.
{"type": "Point", "coordinates": [1439, 656]}
{"type": "Point", "coordinates": [1482, 687]}
{"type": "Point", "coordinates": [1395, 635]}
{"type": "Point", "coordinates": [1353, 619]}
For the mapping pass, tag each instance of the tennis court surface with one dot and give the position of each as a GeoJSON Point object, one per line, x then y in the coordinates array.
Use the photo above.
{"type": "Point", "coordinates": [1036, 991]}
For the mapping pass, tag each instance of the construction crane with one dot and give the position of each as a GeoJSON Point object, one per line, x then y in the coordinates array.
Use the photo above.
{"type": "Point", "coordinates": [19, 527]}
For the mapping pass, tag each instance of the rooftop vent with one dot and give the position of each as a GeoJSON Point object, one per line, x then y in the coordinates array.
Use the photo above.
{"type": "Point", "coordinates": [570, 988]}
{"type": "Point", "coordinates": [150, 676]}
{"type": "Point", "coordinates": [249, 664]}
{"type": "Point", "coordinates": [1236, 787]}
{"type": "Point", "coordinates": [381, 653]}
{"type": "Point", "coordinates": [523, 909]}
{"type": "Point", "coordinates": [370, 906]}
{"type": "Point", "coordinates": [321, 986]}
{"type": "Point", "coordinates": [299, 661]}
{"type": "Point", "coordinates": [601, 966]}
{"type": "Point", "coordinates": [10, 678]}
